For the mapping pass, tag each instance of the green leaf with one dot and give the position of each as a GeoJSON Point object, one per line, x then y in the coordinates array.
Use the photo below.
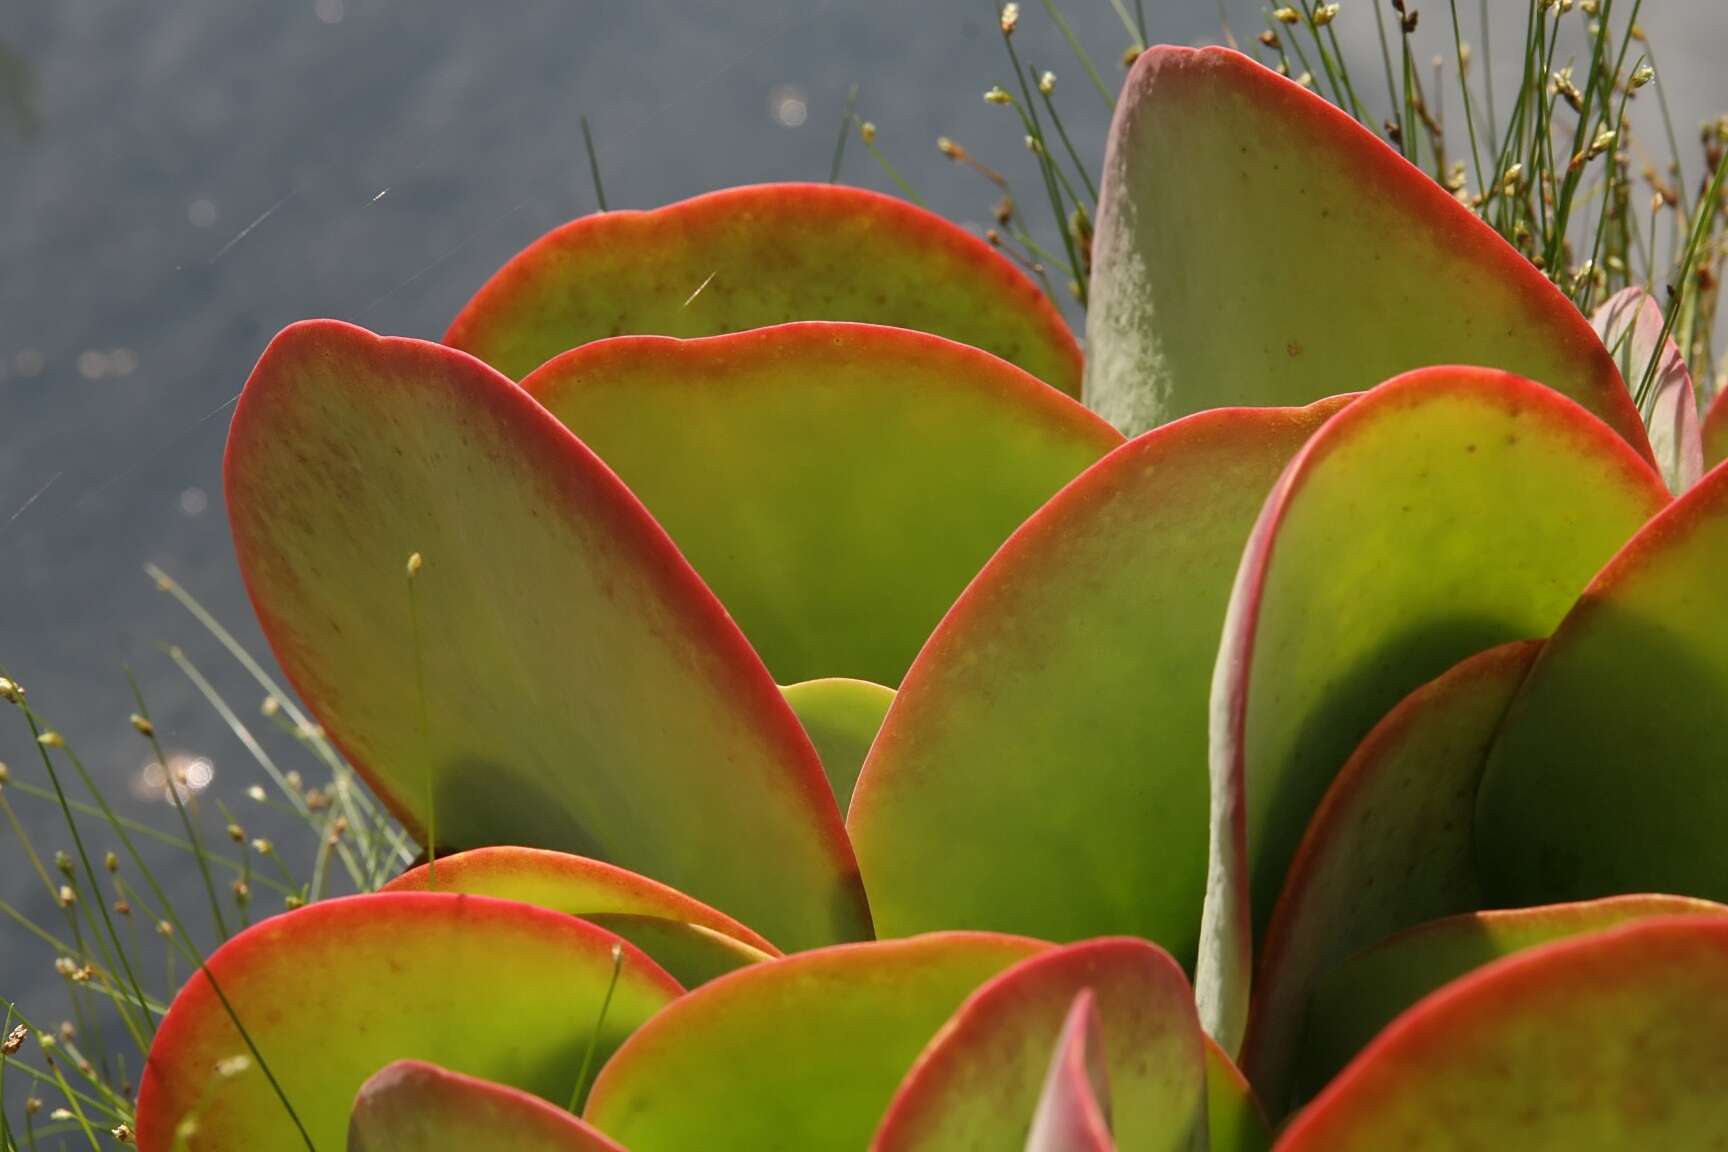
{"type": "Point", "coordinates": [1447, 511]}
{"type": "Point", "coordinates": [331, 992]}
{"type": "Point", "coordinates": [1255, 245]}
{"type": "Point", "coordinates": [1059, 711]}
{"type": "Point", "coordinates": [1073, 1112]}
{"type": "Point", "coordinates": [978, 1083]}
{"type": "Point", "coordinates": [841, 717]}
{"type": "Point", "coordinates": [412, 1106]}
{"type": "Point", "coordinates": [1391, 845]}
{"type": "Point", "coordinates": [835, 484]}
{"type": "Point", "coordinates": [759, 255]}
{"type": "Point", "coordinates": [1233, 1116]}
{"type": "Point", "coordinates": [1607, 776]}
{"type": "Point", "coordinates": [554, 674]}
{"type": "Point", "coordinates": [801, 1053]}
{"type": "Point", "coordinates": [1356, 998]}
{"type": "Point", "coordinates": [690, 940]}
{"type": "Point", "coordinates": [1607, 1041]}
{"type": "Point", "coordinates": [1630, 325]}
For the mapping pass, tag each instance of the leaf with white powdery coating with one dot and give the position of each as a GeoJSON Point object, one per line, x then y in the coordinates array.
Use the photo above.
{"type": "Point", "coordinates": [1255, 245]}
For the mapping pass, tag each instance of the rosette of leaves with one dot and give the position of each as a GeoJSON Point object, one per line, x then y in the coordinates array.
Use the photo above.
{"type": "Point", "coordinates": [846, 738]}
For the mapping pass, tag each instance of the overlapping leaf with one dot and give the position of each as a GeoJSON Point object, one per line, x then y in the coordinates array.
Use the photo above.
{"type": "Point", "coordinates": [1018, 1051]}
{"type": "Point", "coordinates": [1391, 845]}
{"type": "Point", "coordinates": [1255, 245]}
{"type": "Point", "coordinates": [1630, 324]}
{"type": "Point", "coordinates": [1611, 1040]}
{"type": "Point", "coordinates": [1065, 697]}
{"type": "Point", "coordinates": [332, 992]}
{"type": "Point", "coordinates": [804, 1052]}
{"type": "Point", "coordinates": [690, 940]}
{"type": "Point", "coordinates": [555, 674]}
{"type": "Point", "coordinates": [755, 256]}
{"type": "Point", "coordinates": [412, 1106]}
{"type": "Point", "coordinates": [1607, 776]}
{"type": "Point", "coordinates": [1361, 994]}
{"type": "Point", "coordinates": [835, 484]}
{"type": "Point", "coordinates": [1444, 512]}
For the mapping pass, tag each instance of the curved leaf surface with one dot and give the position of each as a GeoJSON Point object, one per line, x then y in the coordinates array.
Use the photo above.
{"type": "Point", "coordinates": [1391, 845]}
{"type": "Point", "coordinates": [1356, 998]}
{"type": "Point", "coordinates": [835, 484]}
{"type": "Point", "coordinates": [1630, 325]}
{"type": "Point", "coordinates": [612, 709]}
{"type": "Point", "coordinates": [1612, 1040]}
{"type": "Point", "coordinates": [1073, 1110]}
{"type": "Point", "coordinates": [412, 1106]}
{"type": "Point", "coordinates": [690, 940]}
{"type": "Point", "coordinates": [841, 717]}
{"type": "Point", "coordinates": [1234, 1118]}
{"type": "Point", "coordinates": [804, 1052]}
{"type": "Point", "coordinates": [1607, 774]}
{"type": "Point", "coordinates": [1059, 711]}
{"type": "Point", "coordinates": [978, 1083]}
{"type": "Point", "coordinates": [1447, 511]}
{"type": "Point", "coordinates": [759, 255]}
{"type": "Point", "coordinates": [335, 990]}
{"type": "Point", "coordinates": [1362, 266]}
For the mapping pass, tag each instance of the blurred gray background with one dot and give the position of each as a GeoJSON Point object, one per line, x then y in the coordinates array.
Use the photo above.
{"type": "Point", "coordinates": [181, 178]}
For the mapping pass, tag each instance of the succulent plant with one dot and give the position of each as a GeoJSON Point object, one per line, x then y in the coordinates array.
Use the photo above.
{"type": "Point", "coordinates": [828, 732]}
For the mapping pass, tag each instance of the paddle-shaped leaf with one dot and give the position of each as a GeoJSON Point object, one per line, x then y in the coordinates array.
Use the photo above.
{"type": "Point", "coordinates": [1359, 996]}
{"type": "Point", "coordinates": [1073, 1112]}
{"type": "Point", "coordinates": [1255, 245]}
{"type": "Point", "coordinates": [1446, 511]}
{"type": "Point", "coordinates": [1065, 694]}
{"type": "Point", "coordinates": [553, 673]}
{"type": "Point", "coordinates": [1630, 324]}
{"type": "Point", "coordinates": [760, 255]}
{"type": "Point", "coordinates": [804, 1052]}
{"type": "Point", "coordinates": [1607, 776]}
{"type": "Point", "coordinates": [1391, 845]}
{"type": "Point", "coordinates": [841, 717]}
{"type": "Point", "coordinates": [835, 484]}
{"type": "Point", "coordinates": [1612, 1040]}
{"type": "Point", "coordinates": [977, 1085]}
{"type": "Point", "coordinates": [412, 1106]}
{"type": "Point", "coordinates": [332, 992]}
{"type": "Point", "coordinates": [690, 940]}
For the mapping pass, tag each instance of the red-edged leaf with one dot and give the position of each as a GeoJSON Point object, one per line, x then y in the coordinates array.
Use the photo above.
{"type": "Point", "coordinates": [841, 717]}
{"type": "Point", "coordinates": [1630, 324]}
{"type": "Point", "coordinates": [1612, 1040]}
{"type": "Point", "coordinates": [835, 484]}
{"type": "Point", "coordinates": [1446, 511]}
{"type": "Point", "coordinates": [1357, 997]}
{"type": "Point", "coordinates": [690, 940]}
{"type": "Point", "coordinates": [759, 255]}
{"type": "Point", "coordinates": [803, 1052]}
{"type": "Point", "coordinates": [1255, 245]}
{"type": "Point", "coordinates": [331, 992]}
{"type": "Point", "coordinates": [555, 674]}
{"type": "Point", "coordinates": [1607, 775]}
{"type": "Point", "coordinates": [1073, 1113]}
{"type": "Point", "coordinates": [1391, 845]}
{"type": "Point", "coordinates": [1065, 694]}
{"type": "Point", "coordinates": [978, 1083]}
{"type": "Point", "coordinates": [413, 1106]}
